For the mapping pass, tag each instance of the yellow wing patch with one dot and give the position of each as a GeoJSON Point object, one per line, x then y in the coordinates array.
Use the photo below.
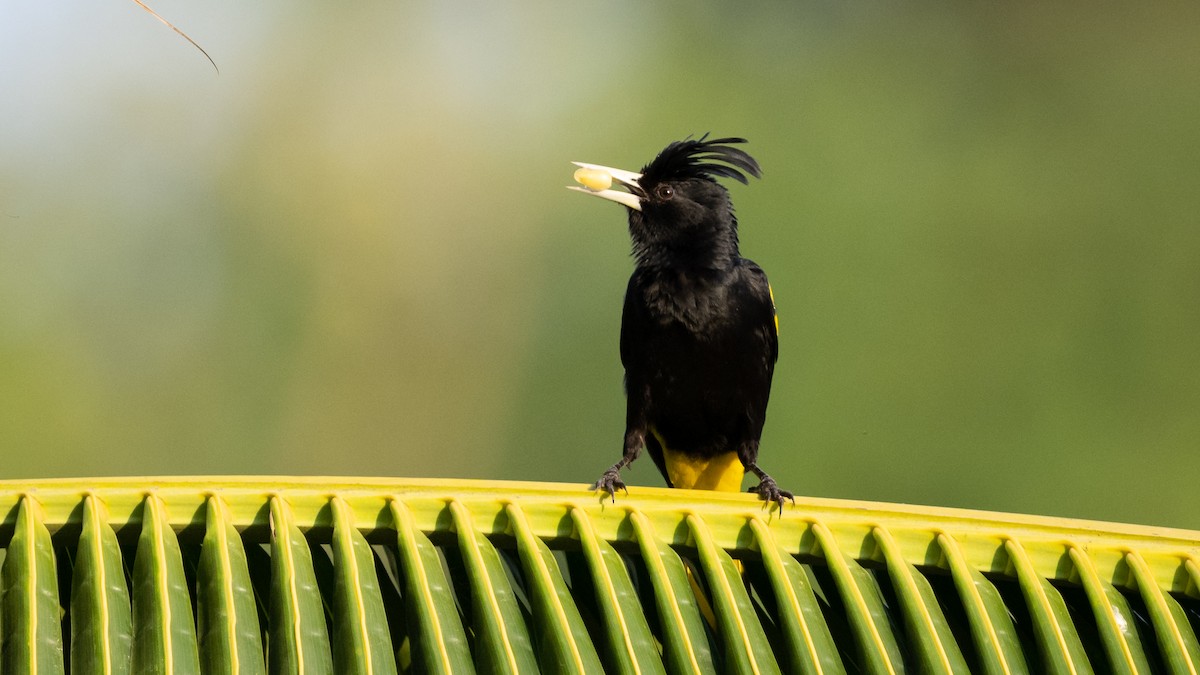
{"type": "Point", "coordinates": [723, 472]}
{"type": "Point", "coordinates": [771, 292]}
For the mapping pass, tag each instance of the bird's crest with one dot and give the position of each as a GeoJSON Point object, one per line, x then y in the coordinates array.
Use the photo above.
{"type": "Point", "coordinates": [692, 158]}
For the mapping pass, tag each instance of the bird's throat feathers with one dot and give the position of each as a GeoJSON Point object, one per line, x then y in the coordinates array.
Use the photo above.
{"type": "Point", "coordinates": [711, 245]}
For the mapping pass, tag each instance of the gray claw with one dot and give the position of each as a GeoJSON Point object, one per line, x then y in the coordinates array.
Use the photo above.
{"type": "Point", "coordinates": [610, 482]}
{"type": "Point", "coordinates": [768, 491]}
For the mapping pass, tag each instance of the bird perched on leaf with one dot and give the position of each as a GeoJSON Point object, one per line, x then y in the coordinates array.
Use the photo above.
{"type": "Point", "coordinates": [699, 335]}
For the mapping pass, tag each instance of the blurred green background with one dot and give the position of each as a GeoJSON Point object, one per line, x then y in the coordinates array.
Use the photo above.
{"type": "Point", "coordinates": [351, 251]}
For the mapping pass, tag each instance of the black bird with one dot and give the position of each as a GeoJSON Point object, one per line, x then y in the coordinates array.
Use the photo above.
{"type": "Point", "coordinates": [699, 335]}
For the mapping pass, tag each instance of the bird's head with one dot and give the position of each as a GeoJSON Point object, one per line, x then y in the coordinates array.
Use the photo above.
{"type": "Point", "coordinates": [678, 213]}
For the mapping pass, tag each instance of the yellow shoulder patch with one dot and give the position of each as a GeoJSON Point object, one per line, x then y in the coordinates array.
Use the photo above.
{"type": "Point", "coordinates": [771, 292]}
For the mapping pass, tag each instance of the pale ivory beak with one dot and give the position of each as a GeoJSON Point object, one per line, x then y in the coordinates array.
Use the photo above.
{"type": "Point", "coordinates": [597, 179]}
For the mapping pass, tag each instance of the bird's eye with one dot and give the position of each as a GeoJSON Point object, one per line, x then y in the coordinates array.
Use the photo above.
{"type": "Point", "coordinates": [664, 192]}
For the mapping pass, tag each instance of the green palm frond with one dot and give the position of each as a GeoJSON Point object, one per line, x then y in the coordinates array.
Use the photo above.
{"type": "Point", "coordinates": [323, 575]}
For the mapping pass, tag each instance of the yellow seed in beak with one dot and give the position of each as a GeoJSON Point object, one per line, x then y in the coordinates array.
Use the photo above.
{"type": "Point", "coordinates": [593, 179]}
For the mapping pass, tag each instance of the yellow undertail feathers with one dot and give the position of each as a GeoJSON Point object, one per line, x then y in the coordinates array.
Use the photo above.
{"type": "Point", "coordinates": [723, 472]}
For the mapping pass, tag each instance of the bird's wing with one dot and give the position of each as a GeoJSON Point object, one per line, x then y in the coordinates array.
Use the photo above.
{"type": "Point", "coordinates": [760, 298]}
{"type": "Point", "coordinates": [637, 357]}
{"type": "Point", "coordinates": [634, 322]}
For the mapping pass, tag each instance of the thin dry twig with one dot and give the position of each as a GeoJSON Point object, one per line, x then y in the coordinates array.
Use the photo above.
{"type": "Point", "coordinates": [181, 33]}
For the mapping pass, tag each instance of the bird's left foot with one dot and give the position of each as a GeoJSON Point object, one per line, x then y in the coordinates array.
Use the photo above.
{"type": "Point", "coordinates": [610, 482]}
{"type": "Point", "coordinates": [769, 491]}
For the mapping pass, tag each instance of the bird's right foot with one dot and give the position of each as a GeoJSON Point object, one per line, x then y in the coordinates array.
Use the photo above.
{"type": "Point", "coordinates": [610, 482]}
